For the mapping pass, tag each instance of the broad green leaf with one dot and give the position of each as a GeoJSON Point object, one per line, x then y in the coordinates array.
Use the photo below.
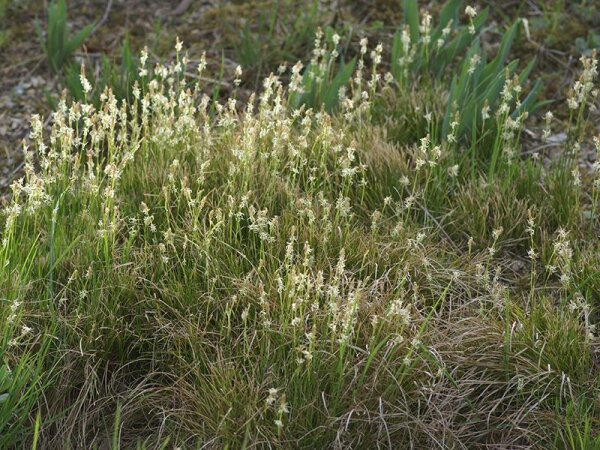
{"type": "Point", "coordinates": [411, 18]}
{"type": "Point", "coordinates": [527, 71]}
{"type": "Point", "coordinates": [341, 79]}
{"type": "Point", "coordinates": [503, 51]}
{"type": "Point", "coordinates": [397, 53]}
{"type": "Point", "coordinates": [76, 41]}
{"type": "Point", "coordinates": [458, 44]}
{"type": "Point", "coordinates": [450, 12]}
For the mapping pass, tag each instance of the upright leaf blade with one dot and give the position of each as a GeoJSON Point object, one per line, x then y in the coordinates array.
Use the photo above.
{"type": "Point", "coordinates": [411, 18]}
{"type": "Point", "coordinates": [79, 38]}
{"type": "Point", "coordinates": [503, 51]}
{"type": "Point", "coordinates": [341, 79]}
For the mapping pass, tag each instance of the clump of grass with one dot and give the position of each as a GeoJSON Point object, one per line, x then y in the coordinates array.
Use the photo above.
{"type": "Point", "coordinates": [122, 78]}
{"type": "Point", "coordinates": [181, 271]}
{"type": "Point", "coordinates": [88, 85]}
{"type": "Point", "coordinates": [478, 89]}
{"type": "Point", "coordinates": [419, 48]}
{"type": "Point", "coordinates": [266, 34]}
{"type": "Point", "coordinates": [324, 80]}
{"type": "Point", "coordinates": [57, 43]}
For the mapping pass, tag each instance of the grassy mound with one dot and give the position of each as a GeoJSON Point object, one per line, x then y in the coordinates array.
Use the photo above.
{"type": "Point", "coordinates": [182, 272]}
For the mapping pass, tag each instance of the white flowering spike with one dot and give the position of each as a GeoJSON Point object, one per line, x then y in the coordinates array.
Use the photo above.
{"type": "Point", "coordinates": [471, 11]}
{"type": "Point", "coordinates": [85, 84]}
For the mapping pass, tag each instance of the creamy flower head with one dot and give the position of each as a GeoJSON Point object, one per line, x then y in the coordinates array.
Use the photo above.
{"type": "Point", "coordinates": [470, 11]}
{"type": "Point", "coordinates": [85, 84]}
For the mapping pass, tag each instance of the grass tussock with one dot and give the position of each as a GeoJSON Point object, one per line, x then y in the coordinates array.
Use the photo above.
{"type": "Point", "coordinates": [177, 271]}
